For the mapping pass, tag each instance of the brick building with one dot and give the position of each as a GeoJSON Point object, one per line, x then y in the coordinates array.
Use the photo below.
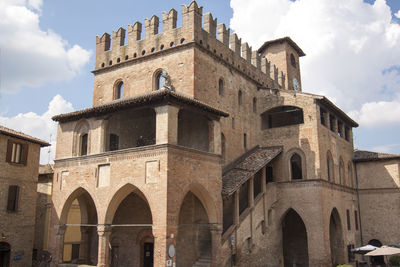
{"type": "Point", "coordinates": [199, 151]}
{"type": "Point", "coordinates": [19, 163]}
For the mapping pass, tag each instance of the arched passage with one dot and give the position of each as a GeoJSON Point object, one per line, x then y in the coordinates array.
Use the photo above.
{"type": "Point", "coordinates": [80, 240]}
{"type": "Point", "coordinates": [131, 239]}
{"type": "Point", "coordinates": [294, 240]}
{"type": "Point", "coordinates": [336, 238]}
{"type": "Point", "coordinates": [5, 252]}
{"type": "Point", "coordinates": [377, 260]}
{"type": "Point", "coordinates": [194, 235]}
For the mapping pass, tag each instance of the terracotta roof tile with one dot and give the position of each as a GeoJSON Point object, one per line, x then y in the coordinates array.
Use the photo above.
{"type": "Point", "coordinates": [20, 135]}
{"type": "Point", "coordinates": [153, 97]}
{"type": "Point", "coordinates": [245, 167]}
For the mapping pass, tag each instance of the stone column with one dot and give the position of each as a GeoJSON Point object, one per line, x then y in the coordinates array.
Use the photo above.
{"type": "Point", "coordinates": [214, 130]}
{"type": "Point", "coordinates": [84, 246]}
{"type": "Point", "coordinates": [104, 233]}
{"type": "Point", "coordinates": [160, 246]}
{"type": "Point", "coordinates": [60, 243]}
{"type": "Point", "coordinates": [167, 124]}
{"type": "Point", "coordinates": [216, 232]}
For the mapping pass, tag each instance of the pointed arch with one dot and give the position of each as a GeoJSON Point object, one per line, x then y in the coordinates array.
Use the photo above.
{"type": "Point", "coordinates": [336, 238]}
{"type": "Point", "coordinates": [296, 164]}
{"type": "Point", "coordinates": [85, 200]}
{"type": "Point", "coordinates": [329, 164]}
{"type": "Point", "coordinates": [294, 239]}
{"type": "Point", "coordinates": [342, 175]}
{"type": "Point", "coordinates": [118, 197]}
{"type": "Point", "coordinates": [81, 135]}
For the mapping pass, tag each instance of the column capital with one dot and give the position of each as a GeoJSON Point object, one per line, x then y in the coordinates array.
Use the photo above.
{"type": "Point", "coordinates": [104, 230]}
{"type": "Point", "coordinates": [61, 228]}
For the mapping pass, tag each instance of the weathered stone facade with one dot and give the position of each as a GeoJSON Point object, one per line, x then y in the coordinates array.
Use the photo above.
{"type": "Point", "coordinates": [19, 163]}
{"type": "Point", "coordinates": [169, 155]}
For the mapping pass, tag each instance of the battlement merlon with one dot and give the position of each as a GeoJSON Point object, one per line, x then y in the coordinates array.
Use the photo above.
{"type": "Point", "coordinates": [216, 35]}
{"type": "Point", "coordinates": [169, 20]}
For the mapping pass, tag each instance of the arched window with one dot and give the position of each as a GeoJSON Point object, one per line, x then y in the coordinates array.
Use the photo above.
{"type": "Point", "coordinates": [223, 147]}
{"type": "Point", "coordinates": [84, 144]}
{"type": "Point", "coordinates": [350, 175]}
{"type": "Point", "coordinates": [119, 90]}
{"type": "Point", "coordinates": [281, 116]}
{"type": "Point", "coordinates": [221, 87]}
{"type": "Point", "coordinates": [292, 60]}
{"type": "Point", "coordinates": [296, 167]}
{"type": "Point", "coordinates": [240, 97]}
{"type": "Point", "coordinates": [161, 79]}
{"type": "Point", "coordinates": [254, 105]}
{"type": "Point", "coordinates": [329, 163]}
{"type": "Point", "coordinates": [342, 178]}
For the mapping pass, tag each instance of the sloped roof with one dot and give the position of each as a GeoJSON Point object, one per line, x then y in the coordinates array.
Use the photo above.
{"type": "Point", "coordinates": [281, 40]}
{"type": "Point", "coordinates": [237, 173]}
{"type": "Point", "coordinates": [362, 155]}
{"type": "Point", "coordinates": [154, 97]}
{"type": "Point", "coordinates": [20, 135]}
{"type": "Point", "coordinates": [46, 169]}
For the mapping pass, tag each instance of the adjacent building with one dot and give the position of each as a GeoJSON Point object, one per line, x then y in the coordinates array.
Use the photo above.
{"type": "Point", "coordinates": [19, 164]}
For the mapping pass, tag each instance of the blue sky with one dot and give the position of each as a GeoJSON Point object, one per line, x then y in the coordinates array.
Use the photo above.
{"type": "Point", "coordinates": [353, 54]}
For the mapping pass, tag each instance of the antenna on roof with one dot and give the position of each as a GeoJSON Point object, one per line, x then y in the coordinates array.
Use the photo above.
{"type": "Point", "coordinates": [48, 152]}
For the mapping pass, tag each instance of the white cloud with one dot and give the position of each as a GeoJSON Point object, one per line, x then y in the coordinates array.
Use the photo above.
{"type": "Point", "coordinates": [29, 55]}
{"type": "Point", "coordinates": [397, 14]}
{"type": "Point", "coordinates": [40, 125]}
{"type": "Point", "coordinates": [352, 47]}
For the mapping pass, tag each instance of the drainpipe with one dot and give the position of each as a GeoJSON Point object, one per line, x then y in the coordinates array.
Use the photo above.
{"type": "Point", "coordinates": [358, 203]}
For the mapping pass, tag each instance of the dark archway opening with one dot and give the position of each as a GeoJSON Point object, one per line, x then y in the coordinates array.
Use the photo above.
{"type": "Point", "coordinates": [194, 236]}
{"type": "Point", "coordinates": [296, 167]}
{"type": "Point", "coordinates": [5, 251]}
{"type": "Point", "coordinates": [294, 240]}
{"type": "Point", "coordinates": [336, 239]}
{"type": "Point", "coordinates": [131, 239]}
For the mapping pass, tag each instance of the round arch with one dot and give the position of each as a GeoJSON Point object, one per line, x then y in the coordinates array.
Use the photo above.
{"type": "Point", "coordinates": [118, 197]}
{"type": "Point", "coordinates": [302, 155]}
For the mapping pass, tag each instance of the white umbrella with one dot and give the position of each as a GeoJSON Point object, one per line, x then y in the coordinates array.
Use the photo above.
{"type": "Point", "coordinates": [364, 249]}
{"type": "Point", "coordinates": [384, 251]}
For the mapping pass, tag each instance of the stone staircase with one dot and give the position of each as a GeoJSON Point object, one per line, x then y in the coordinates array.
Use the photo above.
{"type": "Point", "coordinates": [203, 261]}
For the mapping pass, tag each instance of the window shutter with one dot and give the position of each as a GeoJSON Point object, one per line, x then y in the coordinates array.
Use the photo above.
{"type": "Point", "coordinates": [24, 156]}
{"type": "Point", "coordinates": [12, 203]}
{"type": "Point", "coordinates": [9, 150]}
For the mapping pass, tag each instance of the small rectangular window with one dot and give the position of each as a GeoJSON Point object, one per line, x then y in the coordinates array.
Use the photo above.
{"type": "Point", "coordinates": [13, 193]}
{"type": "Point", "coordinates": [114, 142]}
{"type": "Point", "coordinates": [348, 220]}
{"type": "Point", "coordinates": [322, 114]}
{"type": "Point", "coordinates": [356, 220]}
{"type": "Point", "coordinates": [243, 197]}
{"type": "Point", "coordinates": [269, 174]}
{"type": "Point", "coordinates": [84, 144]}
{"type": "Point", "coordinates": [257, 184]}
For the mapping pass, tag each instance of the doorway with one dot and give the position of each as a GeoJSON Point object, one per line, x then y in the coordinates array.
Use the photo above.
{"type": "Point", "coordinates": [148, 251]}
{"type": "Point", "coordinates": [4, 254]}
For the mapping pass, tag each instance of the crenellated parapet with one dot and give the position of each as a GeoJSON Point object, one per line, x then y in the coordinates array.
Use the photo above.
{"type": "Point", "coordinates": [214, 38]}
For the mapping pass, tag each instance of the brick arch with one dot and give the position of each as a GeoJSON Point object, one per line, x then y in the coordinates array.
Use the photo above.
{"type": "Point", "coordinates": [118, 197]}
{"type": "Point", "coordinates": [287, 158]}
{"type": "Point", "coordinates": [85, 200]}
{"type": "Point", "coordinates": [205, 198]}
{"type": "Point", "coordinates": [336, 237]}
{"type": "Point", "coordinates": [81, 127]}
